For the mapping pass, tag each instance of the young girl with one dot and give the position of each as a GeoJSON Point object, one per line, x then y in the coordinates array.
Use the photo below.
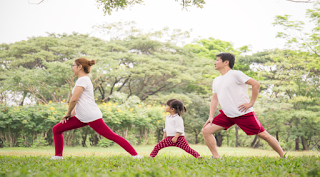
{"type": "Point", "coordinates": [174, 129]}
{"type": "Point", "coordinates": [84, 111]}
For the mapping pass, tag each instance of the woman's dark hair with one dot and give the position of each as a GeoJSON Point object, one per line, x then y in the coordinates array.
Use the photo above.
{"type": "Point", "coordinates": [177, 105]}
{"type": "Point", "coordinates": [227, 56]}
{"type": "Point", "coordinates": [86, 64]}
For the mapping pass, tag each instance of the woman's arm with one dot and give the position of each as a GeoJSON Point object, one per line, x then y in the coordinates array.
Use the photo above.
{"type": "Point", "coordinates": [74, 99]}
{"type": "Point", "coordinates": [73, 113]}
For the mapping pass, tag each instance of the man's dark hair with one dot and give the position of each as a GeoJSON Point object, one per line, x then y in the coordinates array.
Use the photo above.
{"type": "Point", "coordinates": [227, 56]}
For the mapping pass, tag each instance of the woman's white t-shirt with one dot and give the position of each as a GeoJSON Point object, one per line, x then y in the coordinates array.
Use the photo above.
{"type": "Point", "coordinates": [86, 108]}
{"type": "Point", "coordinates": [232, 92]}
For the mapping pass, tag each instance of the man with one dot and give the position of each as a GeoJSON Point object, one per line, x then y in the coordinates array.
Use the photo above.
{"type": "Point", "coordinates": [231, 91]}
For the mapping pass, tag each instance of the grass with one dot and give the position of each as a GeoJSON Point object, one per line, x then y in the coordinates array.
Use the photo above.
{"type": "Point", "coordinates": [114, 161]}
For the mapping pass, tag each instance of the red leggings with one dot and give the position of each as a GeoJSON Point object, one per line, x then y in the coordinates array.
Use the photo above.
{"type": "Point", "coordinates": [98, 125]}
{"type": "Point", "coordinates": [181, 143]}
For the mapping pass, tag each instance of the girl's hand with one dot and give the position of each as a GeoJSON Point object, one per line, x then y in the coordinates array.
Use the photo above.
{"type": "Point", "coordinates": [174, 139]}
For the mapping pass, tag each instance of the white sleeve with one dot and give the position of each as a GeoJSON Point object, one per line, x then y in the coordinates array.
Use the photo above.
{"type": "Point", "coordinates": [178, 122]}
{"type": "Point", "coordinates": [213, 90]}
{"type": "Point", "coordinates": [82, 82]}
{"type": "Point", "coordinates": [241, 77]}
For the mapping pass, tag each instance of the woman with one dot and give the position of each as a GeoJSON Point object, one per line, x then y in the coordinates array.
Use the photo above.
{"type": "Point", "coordinates": [84, 111]}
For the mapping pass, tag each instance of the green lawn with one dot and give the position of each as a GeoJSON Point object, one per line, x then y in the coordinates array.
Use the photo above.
{"type": "Point", "coordinates": [114, 161]}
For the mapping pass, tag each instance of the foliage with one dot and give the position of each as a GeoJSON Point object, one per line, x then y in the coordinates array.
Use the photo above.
{"type": "Point", "coordinates": [114, 5]}
{"type": "Point", "coordinates": [31, 125]}
{"type": "Point", "coordinates": [164, 165]}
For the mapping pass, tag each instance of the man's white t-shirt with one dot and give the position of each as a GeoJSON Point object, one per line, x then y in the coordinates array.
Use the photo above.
{"type": "Point", "coordinates": [174, 125]}
{"type": "Point", "coordinates": [232, 92]}
{"type": "Point", "coordinates": [86, 108]}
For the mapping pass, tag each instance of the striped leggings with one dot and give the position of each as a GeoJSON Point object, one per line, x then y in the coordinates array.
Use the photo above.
{"type": "Point", "coordinates": [181, 143]}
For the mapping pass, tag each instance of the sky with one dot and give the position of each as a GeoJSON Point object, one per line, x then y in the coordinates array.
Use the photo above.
{"type": "Point", "coordinates": [242, 22]}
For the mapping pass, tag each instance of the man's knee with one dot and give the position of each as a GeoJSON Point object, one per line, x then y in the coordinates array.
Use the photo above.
{"type": "Point", "coordinates": [205, 131]}
{"type": "Point", "coordinates": [210, 129]}
{"type": "Point", "coordinates": [265, 135]}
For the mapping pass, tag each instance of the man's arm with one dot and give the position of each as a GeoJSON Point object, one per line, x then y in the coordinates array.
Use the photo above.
{"type": "Point", "coordinates": [213, 107]}
{"type": "Point", "coordinates": [255, 91]}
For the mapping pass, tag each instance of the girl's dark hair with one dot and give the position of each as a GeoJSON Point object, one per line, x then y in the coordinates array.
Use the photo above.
{"type": "Point", "coordinates": [86, 64]}
{"type": "Point", "coordinates": [177, 105]}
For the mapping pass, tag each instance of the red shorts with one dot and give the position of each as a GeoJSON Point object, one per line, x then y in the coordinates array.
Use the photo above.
{"type": "Point", "coordinates": [249, 123]}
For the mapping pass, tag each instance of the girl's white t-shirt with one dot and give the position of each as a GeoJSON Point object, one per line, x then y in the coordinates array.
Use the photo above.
{"type": "Point", "coordinates": [86, 108]}
{"type": "Point", "coordinates": [174, 125]}
{"type": "Point", "coordinates": [232, 92]}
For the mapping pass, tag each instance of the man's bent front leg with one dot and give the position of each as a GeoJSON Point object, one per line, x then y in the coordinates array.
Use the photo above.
{"type": "Point", "coordinates": [210, 140]}
{"type": "Point", "coordinates": [272, 142]}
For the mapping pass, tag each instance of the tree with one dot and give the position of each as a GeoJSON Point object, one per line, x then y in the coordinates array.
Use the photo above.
{"type": "Point", "coordinates": [145, 64]}
{"type": "Point", "coordinates": [289, 104]}
{"type": "Point", "coordinates": [40, 67]}
{"type": "Point", "coordinates": [110, 5]}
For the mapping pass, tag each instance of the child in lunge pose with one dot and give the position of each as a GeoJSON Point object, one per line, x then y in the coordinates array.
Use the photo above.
{"type": "Point", "coordinates": [174, 129]}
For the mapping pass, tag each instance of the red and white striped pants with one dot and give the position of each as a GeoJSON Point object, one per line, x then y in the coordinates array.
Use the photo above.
{"type": "Point", "coordinates": [181, 143]}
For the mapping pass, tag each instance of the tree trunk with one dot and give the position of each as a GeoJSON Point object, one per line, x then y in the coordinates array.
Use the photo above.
{"type": "Point", "coordinates": [159, 135]}
{"type": "Point", "coordinates": [126, 133]}
{"type": "Point", "coordinates": [254, 141]}
{"type": "Point", "coordinates": [304, 143]}
{"type": "Point", "coordinates": [10, 136]}
{"type": "Point", "coordinates": [297, 143]}
{"type": "Point", "coordinates": [219, 139]}
{"type": "Point", "coordinates": [196, 136]}
{"type": "Point", "coordinates": [257, 144]}
{"type": "Point", "coordinates": [1, 143]}
{"type": "Point", "coordinates": [23, 98]}
{"type": "Point", "coordinates": [237, 136]}
{"type": "Point", "coordinates": [84, 137]}
{"type": "Point", "coordinates": [140, 135]}
{"type": "Point", "coordinates": [228, 138]}
{"type": "Point", "coordinates": [277, 135]}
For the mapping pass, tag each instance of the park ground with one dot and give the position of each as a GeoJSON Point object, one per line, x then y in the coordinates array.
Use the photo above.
{"type": "Point", "coordinates": [172, 161]}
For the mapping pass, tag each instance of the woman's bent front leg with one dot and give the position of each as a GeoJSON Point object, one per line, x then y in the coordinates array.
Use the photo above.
{"type": "Point", "coordinates": [58, 129]}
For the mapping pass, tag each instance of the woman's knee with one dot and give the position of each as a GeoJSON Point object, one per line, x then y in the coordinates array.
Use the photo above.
{"type": "Point", "coordinates": [56, 129]}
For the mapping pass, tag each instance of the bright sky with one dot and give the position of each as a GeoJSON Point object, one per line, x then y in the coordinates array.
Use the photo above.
{"type": "Point", "coordinates": [242, 22]}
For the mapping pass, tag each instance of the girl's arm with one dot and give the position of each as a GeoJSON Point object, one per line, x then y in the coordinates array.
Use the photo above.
{"type": "Point", "coordinates": [178, 122]}
{"type": "Point", "coordinates": [174, 139]}
{"type": "Point", "coordinates": [164, 135]}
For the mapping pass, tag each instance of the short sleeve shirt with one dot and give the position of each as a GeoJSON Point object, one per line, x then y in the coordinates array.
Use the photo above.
{"type": "Point", "coordinates": [174, 125]}
{"type": "Point", "coordinates": [232, 92]}
{"type": "Point", "coordinates": [86, 108]}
